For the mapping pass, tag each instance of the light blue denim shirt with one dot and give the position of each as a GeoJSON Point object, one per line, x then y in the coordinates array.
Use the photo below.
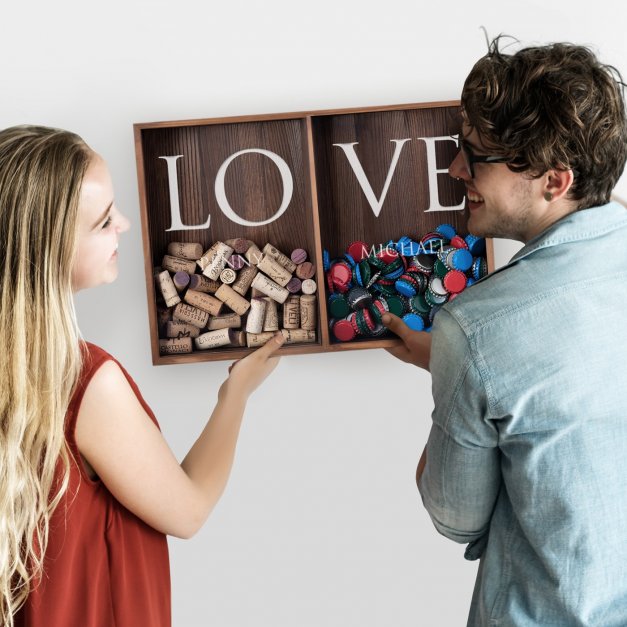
{"type": "Point", "coordinates": [527, 455]}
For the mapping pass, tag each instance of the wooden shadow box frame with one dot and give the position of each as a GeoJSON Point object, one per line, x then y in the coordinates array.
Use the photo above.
{"type": "Point", "coordinates": [219, 173]}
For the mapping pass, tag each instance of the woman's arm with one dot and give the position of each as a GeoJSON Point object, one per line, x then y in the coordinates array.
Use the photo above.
{"type": "Point", "coordinates": [127, 451]}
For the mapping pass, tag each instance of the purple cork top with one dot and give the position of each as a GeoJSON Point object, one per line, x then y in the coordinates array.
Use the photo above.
{"type": "Point", "coordinates": [298, 256]}
{"type": "Point", "coordinates": [181, 279]}
{"type": "Point", "coordinates": [236, 262]}
{"type": "Point", "coordinates": [293, 285]}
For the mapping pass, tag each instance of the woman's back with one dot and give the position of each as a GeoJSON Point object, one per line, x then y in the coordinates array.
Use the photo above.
{"type": "Point", "coordinates": [104, 566]}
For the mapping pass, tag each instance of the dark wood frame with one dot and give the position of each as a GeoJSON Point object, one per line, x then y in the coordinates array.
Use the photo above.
{"type": "Point", "coordinates": [312, 124]}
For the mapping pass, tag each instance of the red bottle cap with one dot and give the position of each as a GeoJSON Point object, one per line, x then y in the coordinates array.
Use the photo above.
{"type": "Point", "coordinates": [454, 281]}
{"type": "Point", "coordinates": [459, 242]}
{"type": "Point", "coordinates": [340, 274]}
{"type": "Point", "coordinates": [358, 250]}
{"type": "Point", "coordinates": [343, 331]}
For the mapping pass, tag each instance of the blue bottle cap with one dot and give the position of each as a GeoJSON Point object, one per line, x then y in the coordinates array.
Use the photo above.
{"type": "Point", "coordinates": [414, 322]}
{"type": "Point", "coordinates": [460, 259]}
{"type": "Point", "coordinates": [405, 288]}
{"type": "Point", "coordinates": [326, 260]}
{"type": "Point", "coordinates": [349, 259]}
{"type": "Point", "coordinates": [476, 245]}
{"type": "Point", "coordinates": [446, 230]}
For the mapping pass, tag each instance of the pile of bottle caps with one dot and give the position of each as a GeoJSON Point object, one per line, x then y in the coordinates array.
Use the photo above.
{"type": "Point", "coordinates": [411, 278]}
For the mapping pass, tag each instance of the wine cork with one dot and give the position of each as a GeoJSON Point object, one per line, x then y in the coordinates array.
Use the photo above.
{"type": "Point", "coordinates": [258, 339]}
{"type": "Point", "coordinates": [232, 299]}
{"type": "Point", "coordinates": [293, 336]}
{"type": "Point", "coordinates": [291, 313]}
{"type": "Point", "coordinates": [308, 318]}
{"type": "Point", "coordinates": [201, 283]}
{"type": "Point", "coordinates": [305, 270]}
{"type": "Point", "coordinates": [272, 268]}
{"type": "Point", "coordinates": [309, 286]}
{"type": "Point", "coordinates": [180, 329]}
{"type": "Point", "coordinates": [214, 260]}
{"type": "Point", "coordinates": [185, 250]}
{"type": "Point", "coordinates": [271, 321]}
{"type": "Point", "coordinates": [174, 264]}
{"type": "Point", "coordinates": [239, 244]}
{"type": "Point", "coordinates": [239, 338]}
{"type": "Point", "coordinates": [236, 262]}
{"type": "Point", "coordinates": [244, 279]}
{"type": "Point", "coordinates": [294, 285]}
{"type": "Point", "coordinates": [163, 317]}
{"type": "Point", "coordinates": [225, 321]}
{"type": "Point", "coordinates": [299, 255]}
{"type": "Point", "coordinates": [180, 280]}
{"type": "Point", "coordinates": [213, 339]}
{"type": "Point", "coordinates": [168, 290]}
{"type": "Point", "coordinates": [253, 255]}
{"type": "Point", "coordinates": [174, 346]}
{"type": "Point", "coordinates": [254, 322]}
{"type": "Point", "coordinates": [269, 288]}
{"type": "Point", "coordinates": [192, 315]}
{"type": "Point", "coordinates": [206, 302]}
{"type": "Point", "coordinates": [282, 259]}
{"type": "Point", "coordinates": [228, 276]}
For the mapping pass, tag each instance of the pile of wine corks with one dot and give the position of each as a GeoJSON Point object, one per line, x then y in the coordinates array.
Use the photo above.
{"type": "Point", "coordinates": [233, 295]}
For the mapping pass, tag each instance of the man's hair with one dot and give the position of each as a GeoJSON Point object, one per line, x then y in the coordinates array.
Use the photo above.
{"type": "Point", "coordinates": [552, 107]}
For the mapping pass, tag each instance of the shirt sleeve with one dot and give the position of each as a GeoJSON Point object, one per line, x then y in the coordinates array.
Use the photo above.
{"type": "Point", "coordinates": [462, 476]}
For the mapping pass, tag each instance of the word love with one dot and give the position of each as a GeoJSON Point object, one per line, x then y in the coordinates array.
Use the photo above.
{"type": "Point", "coordinates": [376, 203]}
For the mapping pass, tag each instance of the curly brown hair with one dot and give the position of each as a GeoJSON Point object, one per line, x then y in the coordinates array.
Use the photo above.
{"type": "Point", "coordinates": [552, 107]}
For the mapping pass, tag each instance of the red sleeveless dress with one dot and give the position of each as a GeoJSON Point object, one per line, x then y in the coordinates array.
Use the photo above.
{"type": "Point", "coordinates": [104, 567]}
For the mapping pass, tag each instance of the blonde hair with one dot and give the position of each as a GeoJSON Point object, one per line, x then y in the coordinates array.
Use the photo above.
{"type": "Point", "coordinates": [41, 171]}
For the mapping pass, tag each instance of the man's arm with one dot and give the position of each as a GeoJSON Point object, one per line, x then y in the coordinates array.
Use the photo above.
{"type": "Point", "coordinates": [459, 474]}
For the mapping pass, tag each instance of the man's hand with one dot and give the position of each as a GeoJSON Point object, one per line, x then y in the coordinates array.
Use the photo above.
{"type": "Point", "coordinates": [416, 347]}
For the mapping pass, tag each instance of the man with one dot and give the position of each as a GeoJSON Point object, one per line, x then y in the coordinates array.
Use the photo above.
{"type": "Point", "coordinates": [526, 457]}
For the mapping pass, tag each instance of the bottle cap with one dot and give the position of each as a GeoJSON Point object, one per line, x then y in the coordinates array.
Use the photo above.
{"type": "Point", "coordinates": [395, 305]}
{"type": "Point", "coordinates": [359, 297]}
{"type": "Point", "coordinates": [343, 331]}
{"type": "Point", "coordinates": [358, 250]}
{"type": "Point", "coordinates": [459, 259]}
{"type": "Point", "coordinates": [476, 245]}
{"type": "Point", "coordinates": [455, 282]}
{"type": "Point", "coordinates": [404, 287]}
{"type": "Point", "coordinates": [424, 262]}
{"type": "Point", "coordinates": [446, 230]}
{"type": "Point", "coordinates": [458, 242]}
{"type": "Point", "coordinates": [338, 306]}
{"type": "Point", "coordinates": [414, 322]}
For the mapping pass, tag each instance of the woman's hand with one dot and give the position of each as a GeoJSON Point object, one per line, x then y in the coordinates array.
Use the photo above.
{"type": "Point", "coordinates": [247, 374]}
{"type": "Point", "coordinates": [416, 347]}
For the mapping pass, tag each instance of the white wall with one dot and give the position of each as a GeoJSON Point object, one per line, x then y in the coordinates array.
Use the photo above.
{"type": "Point", "coordinates": [321, 524]}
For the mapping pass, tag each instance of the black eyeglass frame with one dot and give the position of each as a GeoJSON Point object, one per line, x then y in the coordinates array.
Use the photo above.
{"type": "Point", "coordinates": [470, 158]}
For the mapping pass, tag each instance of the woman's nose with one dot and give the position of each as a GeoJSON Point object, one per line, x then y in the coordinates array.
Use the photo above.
{"type": "Point", "coordinates": [124, 223]}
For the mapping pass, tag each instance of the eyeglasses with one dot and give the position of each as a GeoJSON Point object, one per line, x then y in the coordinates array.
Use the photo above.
{"type": "Point", "coordinates": [470, 158]}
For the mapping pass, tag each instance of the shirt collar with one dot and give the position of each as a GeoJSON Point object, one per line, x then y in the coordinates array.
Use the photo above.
{"type": "Point", "coordinates": [576, 226]}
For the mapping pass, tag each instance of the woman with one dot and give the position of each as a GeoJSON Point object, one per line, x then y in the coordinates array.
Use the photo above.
{"type": "Point", "coordinates": [88, 486]}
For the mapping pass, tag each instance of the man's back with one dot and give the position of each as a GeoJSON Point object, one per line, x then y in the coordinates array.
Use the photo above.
{"type": "Point", "coordinates": [529, 375]}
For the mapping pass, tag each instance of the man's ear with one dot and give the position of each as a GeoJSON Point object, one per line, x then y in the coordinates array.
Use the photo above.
{"type": "Point", "coordinates": [557, 183]}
